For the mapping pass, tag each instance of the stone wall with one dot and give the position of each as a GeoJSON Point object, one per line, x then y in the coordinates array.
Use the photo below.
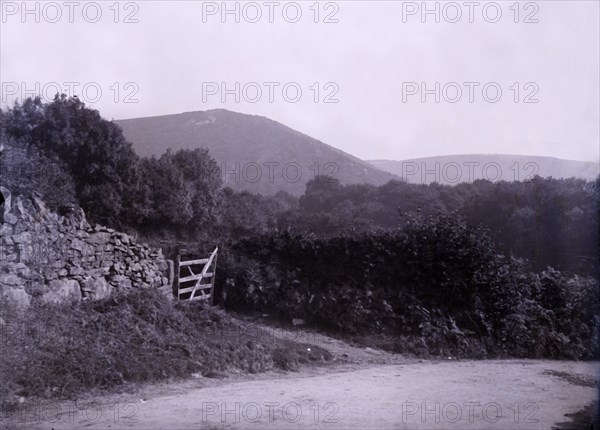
{"type": "Point", "coordinates": [49, 257]}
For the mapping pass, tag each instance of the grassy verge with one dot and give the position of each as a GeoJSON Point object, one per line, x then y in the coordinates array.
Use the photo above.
{"type": "Point", "coordinates": [58, 351]}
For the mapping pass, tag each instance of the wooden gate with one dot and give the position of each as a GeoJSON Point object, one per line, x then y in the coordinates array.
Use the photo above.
{"type": "Point", "coordinates": [189, 275]}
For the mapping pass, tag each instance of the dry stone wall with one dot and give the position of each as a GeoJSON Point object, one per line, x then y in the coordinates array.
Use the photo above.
{"type": "Point", "coordinates": [53, 258]}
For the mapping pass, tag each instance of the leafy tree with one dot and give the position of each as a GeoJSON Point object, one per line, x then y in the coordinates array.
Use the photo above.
{"type": "Point", "coordinates": [97, 156]}
{"type": "Point", "coordinates": [178, 191]}
{"type": "Point", "coordinates": [27, 171]}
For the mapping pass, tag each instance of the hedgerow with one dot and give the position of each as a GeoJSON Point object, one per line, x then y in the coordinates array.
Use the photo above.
{"type": "Point", "coordinates": [438, 284]}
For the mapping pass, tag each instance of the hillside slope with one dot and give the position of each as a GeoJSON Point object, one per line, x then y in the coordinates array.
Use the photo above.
{"type": "Point", "coordinates": [255, 153]}
{"type": "Point", "coordinates": [452, 169]}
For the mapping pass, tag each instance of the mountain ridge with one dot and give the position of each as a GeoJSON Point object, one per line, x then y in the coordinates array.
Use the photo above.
{"type": "Point", "coordinates": [256, 153]}
{"type": "Point", "coordinates": [453, 169]}
{"type": "Point", "coordinates": [262, 155]}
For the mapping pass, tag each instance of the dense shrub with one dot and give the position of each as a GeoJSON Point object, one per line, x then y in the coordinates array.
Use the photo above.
{"type": "Point", "coordinates": [91, 148]}
{"type": "Point", "coordinates": [27, 171]}
{"type": "Point", "coordinates": [439, 283]}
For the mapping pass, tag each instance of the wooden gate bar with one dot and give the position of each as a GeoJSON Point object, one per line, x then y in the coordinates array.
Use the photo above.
{"type": "Point", "coordinates": [198, 286]}
{"type": "Point", "coordinates": [204, 271]}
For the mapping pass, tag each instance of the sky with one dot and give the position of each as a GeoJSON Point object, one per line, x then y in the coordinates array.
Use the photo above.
{"type": "Point", "coordinates": [379, 80]}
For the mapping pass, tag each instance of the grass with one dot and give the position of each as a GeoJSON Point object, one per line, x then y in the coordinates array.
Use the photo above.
{"type": "Point", "coordinates": [59, 351]}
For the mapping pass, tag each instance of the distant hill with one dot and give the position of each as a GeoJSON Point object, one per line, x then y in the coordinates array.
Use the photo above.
{"type": "Point", "coordinates": [451, 169]}
{"type": "Point", "coordinates": [243, 144]}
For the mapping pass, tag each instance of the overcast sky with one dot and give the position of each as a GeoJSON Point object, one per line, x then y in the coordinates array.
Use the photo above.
{"type": "Point", "coordinates": [370, 57]}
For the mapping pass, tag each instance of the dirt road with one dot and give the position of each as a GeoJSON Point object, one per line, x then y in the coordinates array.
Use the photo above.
{"type": "Point", "coordinates": [369, 390]}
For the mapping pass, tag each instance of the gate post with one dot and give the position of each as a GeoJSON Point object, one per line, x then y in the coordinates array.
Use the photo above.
{"type": "Point", "coordinates": [176, 275]}
{"type": "Point", "coordinates": [212, 289]}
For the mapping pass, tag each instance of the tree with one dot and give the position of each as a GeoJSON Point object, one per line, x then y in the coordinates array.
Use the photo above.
{"type": "Point", "coordinates": [99, 159]}
{"type": "Point", "coordinates": [177, 191]}
{"type": "Point", "coordinates": [27, 171]}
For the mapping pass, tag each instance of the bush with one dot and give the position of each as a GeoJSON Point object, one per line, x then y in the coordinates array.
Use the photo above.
{"type": "Point", "coordinates": [439, 284]}
{"type": "Point", "coordinates": [26, 170]}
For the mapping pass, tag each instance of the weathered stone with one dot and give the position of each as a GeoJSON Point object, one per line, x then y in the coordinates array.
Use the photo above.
{"type": "Point", "coordinates": [20, 208]}
{"type": "Point", "coordinates": [136, 267]}
{"type": "Point", "coordinates": [76, 262]}
{"type": "Point", "coordinates": [10, 218]}
{"type": "Point", "coordinates": [6, 231]}
{"type": "Point", "coordinates": [76, 271]}
{"type": "Point", "coordinates": [11, 279]}
{"type": "Point", "coordinates": [99, 238]}
{"type": "Point", "coordinates": [40, 206]}
{"type": "Point", "coordinates": [82, 221]}
{"type": "Point", "coordinates": [63, 272]}
{"type": "Point", "coordinates": [18, 267]}
{"type": "Point", "coordinates": [171, 272]}
{"type": "Point", "coordinates": [121, 281]}
{"type": "Point", "coordinates": [95, 288]}
{"type": "Point", "coordinates": [118, 268]}
{"type": "Point", "coordinates": [7, 205]}
{"type": "Point", "coordinates": [49, 275]}
{"type": "Point", "coordinates": [95, 272]}
{"type": "Point", "coordinates": [24, 237]}
{"type": "Point", "coordinates": [16, 296]}
{"type": "Point", "coordinates": [77, 245]}
{"type": "Point", "coordinates": [62, 291]}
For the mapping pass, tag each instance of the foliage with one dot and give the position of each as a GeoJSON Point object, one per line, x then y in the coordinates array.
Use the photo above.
{"type": "Point", "coordinates": [439, 283]}
{"type": "Point", "coordinates": [477, 269]}
{"type": "Point", "coordinates": [177, 191]}
{"type": "Point", "coordinates": [26, 170]}
{"type": "Point", "coordinates": [545, 221]}
{"type": "Point", "coordinates": [94, 151]}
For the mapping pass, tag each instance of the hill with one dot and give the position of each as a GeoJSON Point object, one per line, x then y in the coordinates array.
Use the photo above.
{"type": "Point", "coordinates": [254, 152]}
{"type": "Point", "coordinates": [452, 169]}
